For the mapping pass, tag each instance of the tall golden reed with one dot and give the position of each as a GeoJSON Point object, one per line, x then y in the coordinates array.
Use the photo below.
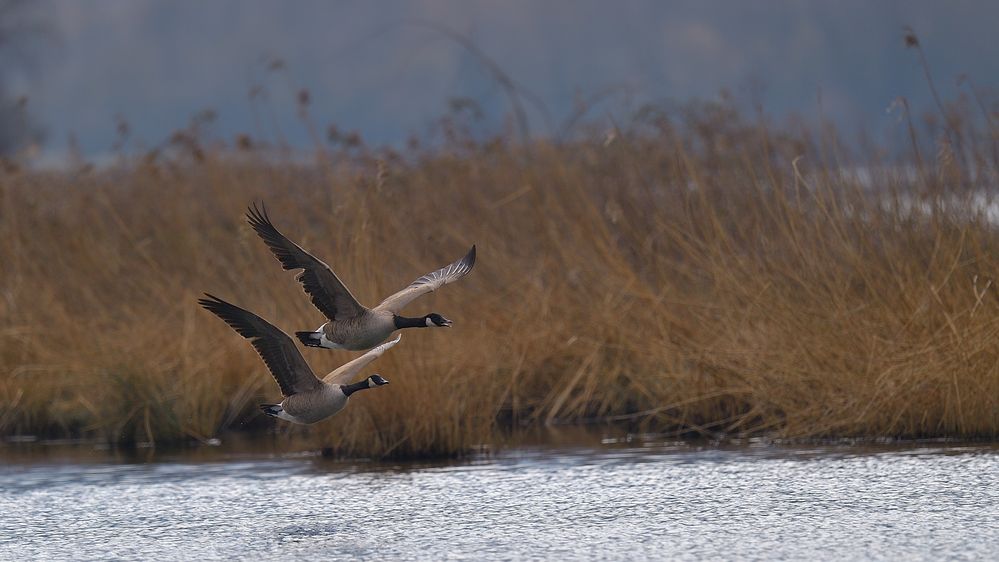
{"type": "Point", "coordinates": [705, 275]}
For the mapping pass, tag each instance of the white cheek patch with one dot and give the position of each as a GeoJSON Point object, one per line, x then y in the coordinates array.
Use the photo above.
{"type": "Point", "coordinates": [430, 323]}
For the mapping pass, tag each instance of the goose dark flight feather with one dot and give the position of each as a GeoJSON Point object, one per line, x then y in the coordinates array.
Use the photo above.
{"type": "Point", "coordinates": [327, 292]}
{"type": "Point", "coordinates": [282, 357]}
{"type": "Point", "coordinates": [352, 325]}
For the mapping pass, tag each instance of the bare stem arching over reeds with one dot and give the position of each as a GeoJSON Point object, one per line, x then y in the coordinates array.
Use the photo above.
{"type": "Point", "coordinates": [695, 273]}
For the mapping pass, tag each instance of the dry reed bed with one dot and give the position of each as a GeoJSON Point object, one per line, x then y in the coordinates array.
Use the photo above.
{"type": "Point", "coordinates": [695, 279]}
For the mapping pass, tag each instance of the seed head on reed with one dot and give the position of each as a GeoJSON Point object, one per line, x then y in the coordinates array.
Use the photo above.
{"type": "Point", "coordinates": [687, 277]}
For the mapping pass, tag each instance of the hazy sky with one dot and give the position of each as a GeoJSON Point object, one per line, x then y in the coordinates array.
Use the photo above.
{"type": "Point", "coordinates": [376, 66]}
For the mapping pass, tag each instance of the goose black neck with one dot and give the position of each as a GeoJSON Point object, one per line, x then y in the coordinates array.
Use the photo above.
{"type": "Point", "coordinates": [349, 389]}
{"type": "Point", "coordinates": [403, 322]}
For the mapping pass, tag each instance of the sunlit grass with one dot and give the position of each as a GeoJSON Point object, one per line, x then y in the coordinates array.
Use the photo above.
{"type": "Point", "coordinates": [704, 275]}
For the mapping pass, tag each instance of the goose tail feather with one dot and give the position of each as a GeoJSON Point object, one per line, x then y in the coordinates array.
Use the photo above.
{"type": "Point", "coordinates": [273, 410]}
{"type": "Point", "coordinates": [311, 339]}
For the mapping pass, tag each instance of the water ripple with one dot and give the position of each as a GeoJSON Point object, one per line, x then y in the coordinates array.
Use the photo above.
{"type": "Point", "coordinates": [623, 504]}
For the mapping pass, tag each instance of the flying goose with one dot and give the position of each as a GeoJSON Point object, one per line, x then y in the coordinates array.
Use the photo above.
{"type": "Point", "coordinates": [352, 325]}
{"type": "Point", "coordinates": [306, 398]}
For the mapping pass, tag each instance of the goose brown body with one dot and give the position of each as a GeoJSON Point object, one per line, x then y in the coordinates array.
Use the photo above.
{"type": "Point", "coordinates": [359, 332]}
{"type": "Point", "coordinates": [311, 407]}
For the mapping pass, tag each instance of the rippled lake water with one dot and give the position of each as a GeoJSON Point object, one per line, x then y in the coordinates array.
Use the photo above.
{"type": "Point", "coordinates": [672, 502]}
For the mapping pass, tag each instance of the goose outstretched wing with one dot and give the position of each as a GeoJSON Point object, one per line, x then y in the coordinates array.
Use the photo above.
{"type": "Point", "coordinates": [279, 353]}
{"type": "Point", "coordinates": [429, 282]}
{"type": "Point", "coordinates": [346, 372]}
{"type": "Point", "coordinates": [327, 292]}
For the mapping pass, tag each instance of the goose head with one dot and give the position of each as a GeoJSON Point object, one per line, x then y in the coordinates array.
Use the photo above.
{"type": "Point", "coordinates": [435, 320]}
{"type": "Point", "coordinates": [376, 380]}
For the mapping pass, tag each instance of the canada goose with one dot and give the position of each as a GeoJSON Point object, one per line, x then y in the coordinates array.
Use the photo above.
{"type": "Point", "coordinates": [352, 325]}
{"type": "Point", "coordinates": [306, 398]}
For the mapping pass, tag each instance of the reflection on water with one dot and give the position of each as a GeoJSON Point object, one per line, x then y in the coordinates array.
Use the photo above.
{"type": "Point", "coordinates": [606, 502]}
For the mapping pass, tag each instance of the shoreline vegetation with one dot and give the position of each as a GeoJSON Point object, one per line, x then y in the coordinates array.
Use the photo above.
{"type": "Point", "coordinates": [696, 272]}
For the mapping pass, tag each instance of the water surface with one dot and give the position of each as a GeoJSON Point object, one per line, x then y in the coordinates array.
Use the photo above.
{"type": "Point", "coordinates": [609, 503]}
